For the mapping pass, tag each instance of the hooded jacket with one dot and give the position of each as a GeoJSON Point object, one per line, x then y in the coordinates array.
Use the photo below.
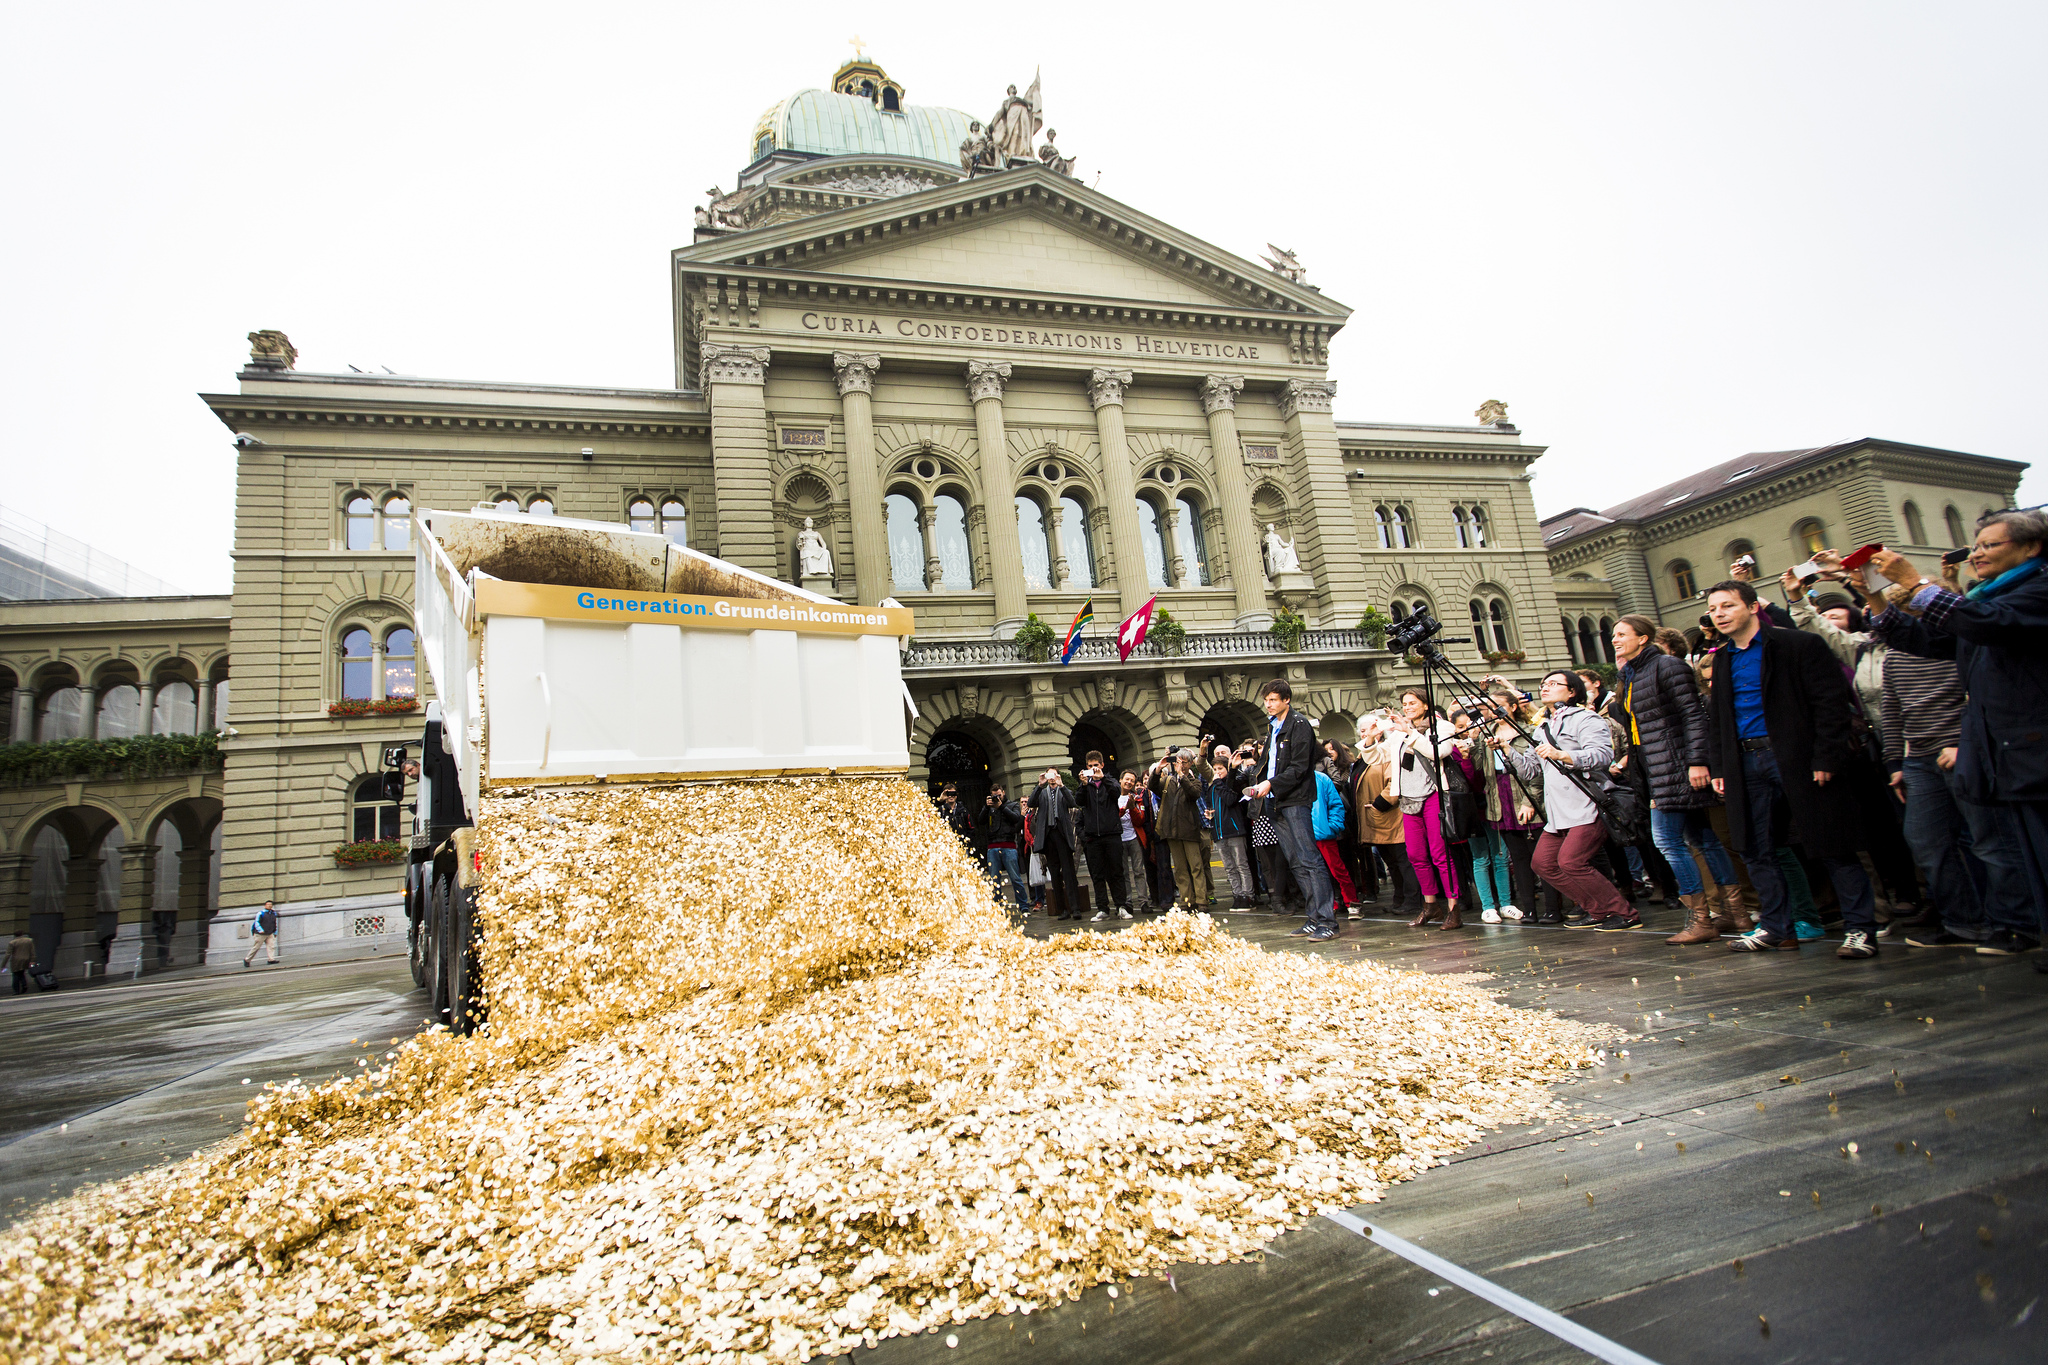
{"type": "Point", "coordinates": [1670, 727]}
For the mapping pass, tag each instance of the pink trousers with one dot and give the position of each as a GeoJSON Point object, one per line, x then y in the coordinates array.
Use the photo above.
{"type": "Point", "coordinates": [1434, 871]}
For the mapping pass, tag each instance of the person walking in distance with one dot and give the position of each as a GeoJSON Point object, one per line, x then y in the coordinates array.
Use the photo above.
{"type": "Point", "coordinates": [1102, 838]}
{"type": "Point", "coordinates": [1056, 837]}
{"type": "Point", "coordinates": [21, 955]}
{"type": "Point", "coordinates": [1780, 730]}
{"type": "Point", "coordinates": [1291, 751]}
{"type": "Point", "coordinates": [263, 934]}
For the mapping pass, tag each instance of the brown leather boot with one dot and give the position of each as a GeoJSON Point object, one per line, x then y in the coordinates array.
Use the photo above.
{"type": "Point", "coordinates": [1735, 917]}
{"type": "Point", "coordinates": [1453, 920]}
{"type": "Point", "coordinates": [1699, 927]}
{"type": "Point", "coordinates": [1430, 910]}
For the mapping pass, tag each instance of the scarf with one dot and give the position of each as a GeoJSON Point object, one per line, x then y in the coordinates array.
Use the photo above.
{"type": "Point", "coordinates": [2010, 579]}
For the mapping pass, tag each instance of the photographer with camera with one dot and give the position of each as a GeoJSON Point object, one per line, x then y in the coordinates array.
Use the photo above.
{"type": "Point", "coordinates": [1134, 814]}
{"type": "Point", "coordinates": [1056, 838]}
{"type": "Point", "coordinates": [1001, 826]}
{"type": "Point", "coordinates": [1425, 745]}
{"type": "Point", "coordinates": [1571, 741]}
{"type": "Point", "coordinates": [1179, 791]}
{"type": "Point", "coordinates": [1102, 838]}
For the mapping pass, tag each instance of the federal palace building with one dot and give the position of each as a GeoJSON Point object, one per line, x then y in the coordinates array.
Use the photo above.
{"type": "Point", "coordinates": [995, 392]}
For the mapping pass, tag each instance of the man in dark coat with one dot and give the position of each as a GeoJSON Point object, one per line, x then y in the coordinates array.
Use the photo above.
{"type": "Point", "coordinates": [1102, 838]}
{"type": "Point", "coordinates": [1779, 733]}
{"type": "Point", "coordinates": [1056, 837]}
{"type": "Point", "coordinates": [1290, 779]}
{"type": "Point", "coordinates": [1998, 636]}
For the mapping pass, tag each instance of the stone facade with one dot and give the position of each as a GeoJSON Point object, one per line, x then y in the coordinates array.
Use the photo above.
{"type": "Point", "coordinates": [1656, 553]}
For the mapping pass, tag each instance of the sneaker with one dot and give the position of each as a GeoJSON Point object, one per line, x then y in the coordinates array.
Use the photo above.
{"type": "Point", "coordinates": [1098, 915]}
{"type": "Point", "coordinates": [245, 964]}
{"type": "Point", "coordinates": [1123, 912]}
{"type": "Point", "coordinates": [1489, 916]}
{"type": "Point", "coordinates": [1614, 924]}
{"type": "Point", "coordinates": [1759, 940]}
{"type": "Point", "coordinates": [1576, 917]}
{"type": "Point", "coordinates": [1324, 934]}
{"type": "Point", "coordinates": [2006, 943]}
{"type": "Point", "coordinates": [1806, 931]}
{"type": "Point", "coordinates": [1303, 932]}
{"type": "Point", "coordinates": [1935, 937]}
{"type": "Point", "coordinates": [1354, 911]}
{"type": "Point", "coordinates": [1856, 943]}
{"type": "Point", "coordinates": [1508, 912]}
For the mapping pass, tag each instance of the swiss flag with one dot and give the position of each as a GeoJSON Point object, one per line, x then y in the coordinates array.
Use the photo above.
{"type": "Point", "coordinates": [1131, 633]}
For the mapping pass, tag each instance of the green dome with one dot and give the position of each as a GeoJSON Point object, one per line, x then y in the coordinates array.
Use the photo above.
{"type": "Point", "coordinates": [825, 123]}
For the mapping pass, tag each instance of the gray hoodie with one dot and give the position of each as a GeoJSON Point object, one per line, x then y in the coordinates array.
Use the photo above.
{"type": "Point", "coordinates": [1587, 738]}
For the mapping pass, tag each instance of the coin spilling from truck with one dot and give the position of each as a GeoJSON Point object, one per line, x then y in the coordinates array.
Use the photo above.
{"type": "Point", "coordinates": [743, 1059]}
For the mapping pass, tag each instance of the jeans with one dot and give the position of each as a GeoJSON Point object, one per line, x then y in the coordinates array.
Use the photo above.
{"type": "Point", "coordinates": [1673, 831]}
{"type": "Point", "coordinates": [1005, 869]}
{"type": "Point", "coordinates": [1237, 866]}
{"type": "Point", "coordinates": [2011, 899]}
{"type": "Point", "coordinates": [2029, 823]}
{"type": "Point", "coordinates": [1935, 830]}
{"type": "Point", "coordinates": [1136, 879]}
{"type": "Point", "coordinates": [1296, 828]}
{"type": "Point", "coordinates": [1490, 870]}
{"type": "Point", "coordinates": [1763, 791]}
{"type": "Point", "coordinates": [1105, 855]}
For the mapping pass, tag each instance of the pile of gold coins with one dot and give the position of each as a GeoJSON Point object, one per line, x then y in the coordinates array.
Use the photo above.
{"type": "Point", "coordinates": [769, 1075]}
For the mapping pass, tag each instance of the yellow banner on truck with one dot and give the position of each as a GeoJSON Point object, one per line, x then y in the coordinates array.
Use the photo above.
{"type": "Point", "coordinates": [498, 597]}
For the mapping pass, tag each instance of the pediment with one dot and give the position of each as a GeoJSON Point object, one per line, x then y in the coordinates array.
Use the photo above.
{"type": "Point", "coordinates": [1031, 232]}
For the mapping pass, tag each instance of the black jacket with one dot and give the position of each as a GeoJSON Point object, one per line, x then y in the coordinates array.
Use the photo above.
{"type": "Point", "coordinates": [1001, 824]}
{"type": "Point", "coordinates": [1807, 706]}
{"type": "Point", "coordinates": [1671, 718]}
{"type": "Point", "coordinates": [1227, 795]}
{"type": "Point", "coordinates": [1053, 817]}
{"type": "Point", "coordinates": [2000, 646]}
{"type": "Point", "coordinates": [1294, 775]}
{"type": "Point", "coordinates": [1100, 818]}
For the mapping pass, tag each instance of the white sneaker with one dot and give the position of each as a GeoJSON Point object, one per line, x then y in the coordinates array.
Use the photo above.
{"type": "Point", "coordinates": [1509, 912]}
{"type": "Point", "coordinates": [1122, 913]}
{"type": "Point", "coordinates": [1098, 915]}
{"type": "Point", "coordinates": [1489, 916]}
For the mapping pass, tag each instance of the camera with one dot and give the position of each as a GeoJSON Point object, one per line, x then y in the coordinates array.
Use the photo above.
{"type": "Point", "coordinates": [1404, 635]}
{"type": "Point", "coordinates": [1956, 556]}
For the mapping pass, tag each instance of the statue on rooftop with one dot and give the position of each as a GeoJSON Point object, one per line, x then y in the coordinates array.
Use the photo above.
{"type": "Point", "coordinates": [1050, 155]}
{"type": "Point", "coordinates": [978, 152]}
{"type": "Point", "coordinates": [1492, 412]}
{"type": "Point", "coordinates": [1283, 262]}
{"type": "Point", "coordinates": [1015, 126]}
{"type": "Point", "coordinates": [271, 350]}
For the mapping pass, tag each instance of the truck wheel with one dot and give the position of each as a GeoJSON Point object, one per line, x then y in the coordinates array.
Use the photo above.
{"type": "Point", "coordinates": [416, 922]}
{"type": "Point", "coordinates": [434, 934]}
{"type": "Point", "coordinates": [465, 1007]}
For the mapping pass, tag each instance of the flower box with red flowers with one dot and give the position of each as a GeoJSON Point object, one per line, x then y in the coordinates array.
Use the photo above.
{"type": "Point", "coordinates": [369, 851]}
{"type": "Point", "coordinates": [363, 706]}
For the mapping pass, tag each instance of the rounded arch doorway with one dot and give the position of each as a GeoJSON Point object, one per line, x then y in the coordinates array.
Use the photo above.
{"type": "Point", "coordinates": [1083, 739]}
{"type": "Point", "coordinates": [956, 758]}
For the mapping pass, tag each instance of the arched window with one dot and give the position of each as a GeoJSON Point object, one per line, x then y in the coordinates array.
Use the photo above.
{"type": "Point", "coordinates": [1738, 548]}
{"type": "Point", "coordinates": [370, 815]}
{"type": "Point", "coordinates": [1489, 624]}
{"type": "Point", "coordinates": [400, 677]}
{"type": "Point", "coordinates": [1404, 538]}
{"type": "Point", "coordinates": [362, 522]}
{"type": "Point", "coordinates": [1607, 638]}
{"type": "Point", "coordinates": [640, 515]}
{"type": "Point", "coordinates": [61, 715]}
{"type": "Point", "coordinates": [398, 522]}
{"type": "Point", "coordinates": [355, 665]}
{"type": "Point", "coordinates": [541, 506]}
{"type": "Point", "coordinates": [906, 544]}
{"type": "Point", "coordinates": [1497, 620]}
{"type": "Point", "coordinates": [1398, 610]}
{"type": "Point", "coordinates": [1194, 552]}
{"type": "Point", "coordinates": [1682, 579]}
{"type": "Point", "coordinates": [220, 704]}
{"type": "Point", "coordinates": [1464, 530]}
{"type": "Point", "coordinates": [1589, 644]}
{"type": "Point", "coordinates": [1810, 536]}
{"type": "Point", "coordinates": [1155, 547]}
{"type": "Point", "coordinates": [120, 712]}
{"type": "Point", "coordinates": [504, 502]}
{"type": "Point", "coordinates": [1957, 536]}
{"type": "Point", "coordinates": [1078, 541]}
{"type": "Point", "coordinates": [1478, 528]}
{"type": "Point", "coordinates": [1384, 524]}
{"type": "Point", "coordinates": [949, 537]}
{"type": "Point", "coordinates": [177, 709]}
{"type": "Point", "coordinates": [1916, 529]}
{"type": "Point", "coordinates": [1571, 640]}
{"type": "Point", "coordinates": [1037, 547]}
{"type": "Point", "coordinates": [674, 517]}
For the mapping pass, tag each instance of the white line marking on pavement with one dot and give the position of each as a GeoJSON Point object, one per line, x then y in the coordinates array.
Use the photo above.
{"type": "Point", "coordinates": [1559, 1326]}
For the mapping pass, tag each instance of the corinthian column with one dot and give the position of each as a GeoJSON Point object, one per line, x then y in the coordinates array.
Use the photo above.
{"type": "Point", "coordinates": [735, 379]}
{"type": "Point", "coordinates": [1126, 548]}
{"type": "Point", "coordinates": [1233, 490]}
{"type": "Point", "coordinates": [985, 380]}
{"type": "Point", "coordinates": [856, 377]}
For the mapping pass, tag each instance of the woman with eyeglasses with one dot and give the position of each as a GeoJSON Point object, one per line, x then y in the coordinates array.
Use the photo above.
{"type": "Point", "coordinates": [1571, 741]}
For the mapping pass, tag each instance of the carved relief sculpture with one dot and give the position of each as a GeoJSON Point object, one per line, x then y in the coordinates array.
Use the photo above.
{"type": "Point", "coordinates": [1280, 555]}
{"type": "Point", "coordinates": [813, 559]}
{"type": "Point", "coordinates": [1492, 412]}
{"type": "Point", "coordinates": [271, 350]}
{"type": "Point", "coordinates": [1107, 386]}
{"type": "Point", "coordinates": [855, 373]}
{"type": "Point", "coordinates": [1306, 395]}
{"type": "Point", "coordinates": [986, 378]}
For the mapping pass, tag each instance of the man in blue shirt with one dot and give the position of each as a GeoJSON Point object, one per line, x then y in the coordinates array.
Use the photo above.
{"type": "Point", "coordinates": [1778, 734]}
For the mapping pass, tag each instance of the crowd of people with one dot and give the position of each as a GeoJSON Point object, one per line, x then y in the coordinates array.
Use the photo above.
{"type": "Point", "coordinates": [1872, 760]}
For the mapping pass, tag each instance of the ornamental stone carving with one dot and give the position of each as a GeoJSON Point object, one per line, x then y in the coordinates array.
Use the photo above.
{"type": "Point", "coordinates": [986, 378]}
{"type": "Point", "coordinates": [1106, 387]}
{"type": "Point", "coordinates": [1173, 695]}
{"type": "Point", "coordinates": [855, 373]}
{"type": "Point", "coordinates": [1306, 395]}
{"type": "Point", "coordinates": [1105, 692]}
{"type": "Point", "coordinates": [1054, 162]}
{"type": "Point", "coordinates": [734, 364]}
{"type": "Point", "coordinates": [1220, 391]}
{"type": "Point", "coordinates": [271, 350]}
{"type": "Point", "coordinates": [970, 699]}
{"type": "Point", "coordinates": [1045, 704]}
{"type": "Point", "coordinates": [1280, 555]}
{"type": "Point", "coordinates": [1492, 412]}
{"type": "Point", "coordinates": [978, 151]}
{"type": "Point", "coordinates": [1015, 125]}
{"type": "Point", "coordinates": [813, 559]}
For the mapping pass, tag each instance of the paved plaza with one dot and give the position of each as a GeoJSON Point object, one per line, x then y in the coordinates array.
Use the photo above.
{"type": "Point", "coordinates": [1798, 1159]}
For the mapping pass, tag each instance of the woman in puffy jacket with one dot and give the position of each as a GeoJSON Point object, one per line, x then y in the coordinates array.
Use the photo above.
{"type": "Point", "coordinates": [1657, 703]}
{"type": "Point", "coordinates": [1327, 817]}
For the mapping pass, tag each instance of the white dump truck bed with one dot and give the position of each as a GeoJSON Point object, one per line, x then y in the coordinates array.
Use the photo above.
{"type": "Point", "coordinates": [622, 657]}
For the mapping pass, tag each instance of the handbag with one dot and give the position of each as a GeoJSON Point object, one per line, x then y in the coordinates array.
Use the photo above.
{"type": "Point", "coordinates": [1037, 876]}
{"type": "Point", "coordinates": [45, 979]}
{"type": "Point", "coordinates": [1621, 810]}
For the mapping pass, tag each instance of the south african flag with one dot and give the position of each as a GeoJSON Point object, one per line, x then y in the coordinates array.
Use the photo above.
{"type": "Point", "coordinates": [1073, 640]}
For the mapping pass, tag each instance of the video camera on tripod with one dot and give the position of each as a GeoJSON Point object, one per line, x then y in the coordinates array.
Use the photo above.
{"type": "Point", "coordinates": [1417, 634]}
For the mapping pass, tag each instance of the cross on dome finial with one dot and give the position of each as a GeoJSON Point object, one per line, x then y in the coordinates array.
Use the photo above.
{"type": "Point", "coordinates": [858, 44]}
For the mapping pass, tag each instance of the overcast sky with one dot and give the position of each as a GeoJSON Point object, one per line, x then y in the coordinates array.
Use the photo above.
{"type": "Point", "coordinates": [1665, 235]}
